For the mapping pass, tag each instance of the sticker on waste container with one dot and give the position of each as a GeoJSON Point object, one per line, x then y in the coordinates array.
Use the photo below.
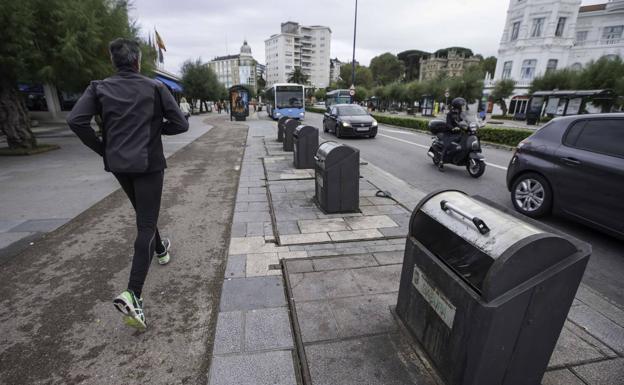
{"type": "Point", "coordinates": [438, 302]}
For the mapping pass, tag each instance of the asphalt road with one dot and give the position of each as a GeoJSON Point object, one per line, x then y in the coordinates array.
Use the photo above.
{"type": "Point", "coordinates": [404, 154]}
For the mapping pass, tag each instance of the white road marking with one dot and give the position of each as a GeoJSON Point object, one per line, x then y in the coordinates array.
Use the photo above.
{"type": "Point", "coordinates": [427, 147]}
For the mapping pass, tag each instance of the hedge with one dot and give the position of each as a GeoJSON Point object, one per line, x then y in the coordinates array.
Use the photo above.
{"type": "Point", "coordinates": [317, 110]}
{"type": "Point", "coordinates": [505, 136]}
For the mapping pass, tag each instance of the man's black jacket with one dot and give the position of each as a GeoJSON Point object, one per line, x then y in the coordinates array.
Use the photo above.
{"type": "Point", "coordinates": [132, 107]}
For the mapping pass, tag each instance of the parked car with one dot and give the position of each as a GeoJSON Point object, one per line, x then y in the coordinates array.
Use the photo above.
{"type": "Point", "coordinates": [573, 166]}
{"type": "Point", "coordinates": [349, 120]}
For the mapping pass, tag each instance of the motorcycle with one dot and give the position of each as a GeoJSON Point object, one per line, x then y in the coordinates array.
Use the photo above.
{"type": "Point", "coordinates": [465, 148]}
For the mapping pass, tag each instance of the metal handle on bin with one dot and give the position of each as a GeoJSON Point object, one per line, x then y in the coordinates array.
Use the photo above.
{"type": "Point", "coordinates": [478, 222]}
{"type": "Point", "coordinates": [316, 158]}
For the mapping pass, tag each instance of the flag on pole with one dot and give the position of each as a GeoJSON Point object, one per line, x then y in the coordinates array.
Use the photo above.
{"type": "Point", "coordinates": [149, 40]}
{"type": "Point", "coordinates": [159, 41]}
{"type": "Point", "coordinates": [161, 58]}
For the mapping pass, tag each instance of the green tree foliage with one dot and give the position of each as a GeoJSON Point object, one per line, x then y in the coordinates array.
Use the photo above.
{"type": "Point", "coordinates": [386, 68]}
{"type": "Point", "coordinates": [61, 42]}
{"type": "Point", "coordinates": [502, 90]}
{"type": "Point", "coordinates": [605, 73]}
{"type": "Point", "coordinates": [361, 94]}
{"type": "Point", "coordinates": [200, 82]}
{"type": "Point", "coordinates": [319, 95]}
{"type": "Point", "coordinates": [411, 62]}
{"type": "Point", "coordinates": [469, 86]}
{"type": "Point", "coordinates": [363, 76]}
{"type": "Point", "coordinates": [488, 65]}
{"type": "Point", "coordinates": [298, 76]}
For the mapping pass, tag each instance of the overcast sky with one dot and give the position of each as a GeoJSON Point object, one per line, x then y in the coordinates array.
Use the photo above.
{"type": "Point", "coordinates": [201, 28]}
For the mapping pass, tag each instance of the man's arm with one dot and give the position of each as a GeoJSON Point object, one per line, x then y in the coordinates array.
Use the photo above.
{"type": "Point", "coordinates": [79, 120]}
{"type": "Point", "coordinates": [176, 122]}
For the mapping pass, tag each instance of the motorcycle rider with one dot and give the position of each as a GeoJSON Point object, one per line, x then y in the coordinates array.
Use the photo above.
{"type": "Point", "coordinates": [453, 119]}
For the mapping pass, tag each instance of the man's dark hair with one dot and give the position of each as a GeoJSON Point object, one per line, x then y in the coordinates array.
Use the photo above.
{"type": "Point", "coordinates": [124, 52]}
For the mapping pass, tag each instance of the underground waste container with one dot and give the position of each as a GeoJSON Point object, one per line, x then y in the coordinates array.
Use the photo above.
{"type": "Point", "coordinates": [305, 144]}
{"type": "Point", "coordinates": [280, 128]}
{"type": "Point", "coordinates": [337, 172]}
{"type": "Point", "coordinates": [486, 291]}
{"type": "Point", "coordinates": [289, 128]}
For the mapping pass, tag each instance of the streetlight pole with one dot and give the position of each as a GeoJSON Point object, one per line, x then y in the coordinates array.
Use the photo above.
{"type": "Point", "coordinates": [353, 58]}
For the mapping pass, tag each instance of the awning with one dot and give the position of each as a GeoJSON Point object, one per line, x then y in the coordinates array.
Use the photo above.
{"type": "Point", "coordinates": [36, 89]}
{"type": "Point", "coordinates": [175, 86]}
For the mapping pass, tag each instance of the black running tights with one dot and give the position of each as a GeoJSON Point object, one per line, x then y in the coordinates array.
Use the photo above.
{"type": "Point", "coordinates": [144, 192]}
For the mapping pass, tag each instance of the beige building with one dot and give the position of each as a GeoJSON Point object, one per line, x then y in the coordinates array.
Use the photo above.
{"type": "Point", "coordinates": [453, 65]}
{"type": "Point", "coordinates": [236, 69]}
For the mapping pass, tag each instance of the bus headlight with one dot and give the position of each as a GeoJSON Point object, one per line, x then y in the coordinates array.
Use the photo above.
{"type": "Point", "coordinates": [278, 114]}
{"type": "Point", "coordinates": [301, 114]}
{"type": "Point", "coordinates": [374, 123]}
{"type": "Point", "coordinates": [346, 124]}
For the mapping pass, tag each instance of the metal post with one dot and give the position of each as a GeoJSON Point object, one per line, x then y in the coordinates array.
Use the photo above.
{"type": "Point", "coordinates": [353, 58]}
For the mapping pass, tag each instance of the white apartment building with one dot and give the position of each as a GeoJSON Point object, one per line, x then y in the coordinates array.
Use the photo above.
{"type": "Point", "coordinates": [236, 69]}
{"type": "Point", "coordinates": [307, 47]}
{"type": "Point", "coordinates": [545, 35]}
{"type": "Point", "coordinates": [334, 69]}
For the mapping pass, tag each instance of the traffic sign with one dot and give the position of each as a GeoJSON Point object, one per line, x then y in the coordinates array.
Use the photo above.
{"type": "Point", "coordinates": [447, 94]}
{"type": "Point", "coordinates": [352, 92]}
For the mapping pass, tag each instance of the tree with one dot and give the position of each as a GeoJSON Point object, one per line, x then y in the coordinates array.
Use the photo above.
{"type": "Point", "coordinates": [59, 42]}
{"type": "Point", "coordinates": [261, 83]}
{"type": "Point", "coordinates": [361, 94]}
{"type": "Point", "coordinates": [411, 63]}
{"type": "Point", "coordinates": [386, 68]}
{"type": "Point", "coordinates": [298, 76]}
{"type": "Point", "coordinates": [488, 65]}
{"type": "Point", "coordinates": [319, 94]}
{"type": "Point", "coordinates": [502, 90]}
{"type": "Point", "coordinates": [604, 73]}
{"type": "Point", "coordinates": [469, 86]}
{"type": "Point", "coordinates": [564, 79]}
{"type": "Point", "coordinates": [200, 82]}
{"type": "Point", "coordinates": [363, 76]}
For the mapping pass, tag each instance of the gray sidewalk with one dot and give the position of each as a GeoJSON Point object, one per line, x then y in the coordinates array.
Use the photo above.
{"type": "Point", "coordinates": [44, 191]}
{"type": "Point", "coordinates": [309, 296]}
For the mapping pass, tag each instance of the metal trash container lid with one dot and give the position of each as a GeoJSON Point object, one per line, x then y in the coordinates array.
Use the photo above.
{"type": "Point", "coordinates": [332, 152]}
{"type": "Point", "coordinates": [305, 130]}
{"type": "Point", "coordinates": [291, 124]}
{"type": "Point", "coordinates": [492, 253]}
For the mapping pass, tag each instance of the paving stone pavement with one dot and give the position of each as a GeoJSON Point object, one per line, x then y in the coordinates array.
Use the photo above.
{"type": "Point", "coordinates": [343, 271]}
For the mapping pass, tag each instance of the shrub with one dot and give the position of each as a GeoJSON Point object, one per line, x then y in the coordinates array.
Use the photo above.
{"type": "Point", "coordinates": [418, 124]}
{"type": "Point", "coordinates": [506, 136]}
{"type": "Point", "coordinates": [315, 109]}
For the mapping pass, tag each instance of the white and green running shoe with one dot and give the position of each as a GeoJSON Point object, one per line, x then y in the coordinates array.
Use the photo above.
{"type": "Point", "coordinates": [164, 257]}
{"type": "Point", "coordinates": [132, 307]}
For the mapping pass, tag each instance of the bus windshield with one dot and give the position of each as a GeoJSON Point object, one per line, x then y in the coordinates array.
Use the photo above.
{"type": "Point", "coordinates": [289, 97]}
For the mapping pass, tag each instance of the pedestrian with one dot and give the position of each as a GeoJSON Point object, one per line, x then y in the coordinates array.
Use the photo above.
{"type": "Point", "coordinates": [219, 106]}
{"type": "Point", "coordinates": [185, 108]}
{"type": "Point", "coordinates": [132, 108]}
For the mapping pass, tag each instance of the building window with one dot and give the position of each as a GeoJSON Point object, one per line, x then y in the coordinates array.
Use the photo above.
{"type": "Point", "coordinates": [507, 70]}
{"type": "Point", "coordinates": [538, 26]}
{"type": "Point", "coordinates": [560, 26]}
{"type": "Point", "coordinates": [515, 31]}
{"type": "Point", "coordinates": [528, 69]}
{"type": "Point", "coordinates": [552, 65]}
{"type": "Point", "coordinates": [576, 66]}
{"type": "Point", "coordinates": [612, 35]}
{"type": "Point", "coordinates": [581, 37]}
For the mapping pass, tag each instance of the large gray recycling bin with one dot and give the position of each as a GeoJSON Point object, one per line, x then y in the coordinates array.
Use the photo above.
{"type": "Point", "coordinates": [337, 172]}
{"type": "Point", "coordinates": [289, 129]}
{"type": "Point", "coordinates": [306, 142]}
{"type": "Point", "coordinates": [486, 291]}
{"type": "Point", "coordinates": [280, 128]}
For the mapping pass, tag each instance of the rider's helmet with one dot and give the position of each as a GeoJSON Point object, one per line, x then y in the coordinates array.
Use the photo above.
{"type": "Point", "coordinates": [458, 104]}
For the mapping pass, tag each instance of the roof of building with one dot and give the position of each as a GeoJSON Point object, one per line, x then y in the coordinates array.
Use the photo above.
{"type": "Point", "coordinates": [593, 8]}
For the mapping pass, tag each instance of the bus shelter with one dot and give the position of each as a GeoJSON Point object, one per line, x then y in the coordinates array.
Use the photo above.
{"type": "Point", "coordinates": [572, 102]}
{"type": "Point", "coordinates": [239, 102]}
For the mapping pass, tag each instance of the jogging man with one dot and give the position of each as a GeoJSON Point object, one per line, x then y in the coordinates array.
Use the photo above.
{"type": "Point", "coordinates": [132, 108]}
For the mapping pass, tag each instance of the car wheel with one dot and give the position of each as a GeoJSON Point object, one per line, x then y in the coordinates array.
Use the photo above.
{"type": "Point", "coordinates": [531, 195]}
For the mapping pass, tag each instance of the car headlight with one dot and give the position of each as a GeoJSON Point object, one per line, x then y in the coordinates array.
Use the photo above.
{"type": "Point", "coordinates": [346, 124]}
{"type": "Point", "coordinates": [374, 123]}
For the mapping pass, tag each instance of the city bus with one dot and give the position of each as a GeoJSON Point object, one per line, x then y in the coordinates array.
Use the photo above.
{"type": "Point", "coordinates": [337, 97]}
{"type": "Point", "coordinates": [285, 99]}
